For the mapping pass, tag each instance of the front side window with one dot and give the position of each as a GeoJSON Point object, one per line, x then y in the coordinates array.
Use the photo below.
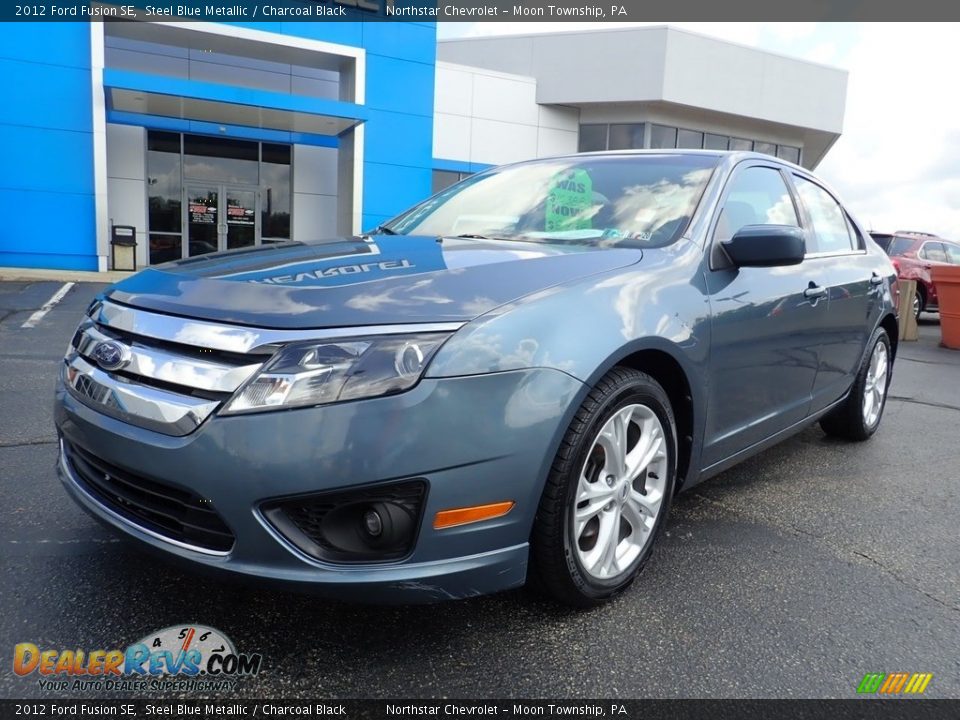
{"type": "Point", "coordinates": [639, 201]}
{"type": "Point", "coordinates": [757, 196]}
{"type": "Point", "coordinates": [828, 219]}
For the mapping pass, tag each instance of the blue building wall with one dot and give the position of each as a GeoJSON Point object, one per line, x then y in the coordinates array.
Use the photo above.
{"type": "Point", "coordinates": [398, 156]}
{"type": "Point", "coordinates": [47, 171]}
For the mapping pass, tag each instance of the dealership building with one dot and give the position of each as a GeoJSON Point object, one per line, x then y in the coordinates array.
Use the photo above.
{"type": "Point", "coordinates": [195, 137]}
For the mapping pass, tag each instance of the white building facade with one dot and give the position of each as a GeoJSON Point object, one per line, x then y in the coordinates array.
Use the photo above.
{"type": "Point", "coordinates": [511, 98]}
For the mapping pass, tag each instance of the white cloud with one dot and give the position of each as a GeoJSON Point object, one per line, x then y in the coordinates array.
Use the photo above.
{"type": "Point", "coordinates": [898, 162]}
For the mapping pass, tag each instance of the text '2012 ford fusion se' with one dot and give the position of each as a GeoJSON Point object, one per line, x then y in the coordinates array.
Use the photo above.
{"type": "Point", "coordinates": [508, 382]}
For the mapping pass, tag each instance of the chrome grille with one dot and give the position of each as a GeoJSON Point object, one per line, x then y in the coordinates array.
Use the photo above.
{"type": "Point", "coordinates": [172, 373]}
{"type": "Point", "coordinates": [162, 383]}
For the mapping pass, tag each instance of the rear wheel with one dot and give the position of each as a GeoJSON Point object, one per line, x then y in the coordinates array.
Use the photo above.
{"type": "Point", "coordinates": [859, 415]}
{"type": "Point", "coordinates": [608, 492]}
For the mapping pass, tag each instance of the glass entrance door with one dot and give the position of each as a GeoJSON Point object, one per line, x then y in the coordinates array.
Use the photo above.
{"type": "Point", "coordinates": [240, 217]}
{"type": "Point", "coordinates": [203, 219]}
{"type": "Point", "coordinates": [220, 217]}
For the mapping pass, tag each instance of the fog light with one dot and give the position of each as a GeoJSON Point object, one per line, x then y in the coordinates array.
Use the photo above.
{"type": "Point", "coordinates": [373, 523]}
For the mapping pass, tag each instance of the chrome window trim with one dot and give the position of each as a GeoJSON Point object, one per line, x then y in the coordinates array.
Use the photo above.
{"type": "Point", "coordinates": [78, 486]}
{"type": "Point", "coordinates": [169, 367]}
{"type": "Point", "coordinates": [236, 338]}
{"type": "Point", "coordinates": [834, 253]}
{"type": "Point", "coordinates": [159, 410]}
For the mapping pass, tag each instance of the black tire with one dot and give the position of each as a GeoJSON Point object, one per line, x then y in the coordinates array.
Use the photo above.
{"type": "Point", "coordinates": [918, 302]}
{"type": "Point", "coordinates": [847, 421]}
{"type": "Point", "coordinates": [555, 569]}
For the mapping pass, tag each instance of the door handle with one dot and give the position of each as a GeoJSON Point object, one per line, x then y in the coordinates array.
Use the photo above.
{"type": "Point", "coordinates": [814, 291]}
{"type": "Point", "coordinates": [875, 279]}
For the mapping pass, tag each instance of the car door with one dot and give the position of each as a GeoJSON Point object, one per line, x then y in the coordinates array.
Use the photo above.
{"type": "Point", "coordinates": [855, 278]}
{"type": "Point", "coordinates": [765, 322]}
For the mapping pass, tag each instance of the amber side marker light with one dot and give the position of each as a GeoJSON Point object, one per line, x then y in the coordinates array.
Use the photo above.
{"type": "Point", "coordinates": [475, 513]}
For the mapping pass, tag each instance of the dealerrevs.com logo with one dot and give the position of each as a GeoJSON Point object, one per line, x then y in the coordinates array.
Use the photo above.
{"type": "Point", "coordinates": [180, 658]}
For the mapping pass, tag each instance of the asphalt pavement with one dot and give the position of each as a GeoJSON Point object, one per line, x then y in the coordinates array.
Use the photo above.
{"type": "Point", "coordinates": [791, 575]}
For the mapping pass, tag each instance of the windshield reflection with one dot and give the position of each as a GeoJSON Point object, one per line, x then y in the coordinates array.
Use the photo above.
{"type": "Point", "coordinates": [604, 201]}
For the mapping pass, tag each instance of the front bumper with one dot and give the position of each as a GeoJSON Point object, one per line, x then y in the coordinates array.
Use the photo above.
{"type": "Point", "coordinates": [475, 440]}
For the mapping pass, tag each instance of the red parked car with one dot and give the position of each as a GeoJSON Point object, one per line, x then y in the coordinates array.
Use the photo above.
{"type": "Point", "coordinates": [913, 254]}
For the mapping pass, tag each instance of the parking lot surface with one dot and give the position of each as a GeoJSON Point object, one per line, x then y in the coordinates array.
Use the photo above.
{"type": "Point", "coordinates": [792, 575]}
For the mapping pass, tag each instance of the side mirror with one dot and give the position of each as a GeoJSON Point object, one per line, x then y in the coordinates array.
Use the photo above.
{"type": "Point", "coordinates": [766, 246]}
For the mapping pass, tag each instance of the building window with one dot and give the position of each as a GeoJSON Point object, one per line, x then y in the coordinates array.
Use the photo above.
{"type": "Point", "coordinates": [662, 136]}
{"type": "Point", "coordinates": [629, 136]}
{"type": "Point", "coordinates": [715, 142]}
{"type": "Point", "coordinates": [191, 63]}
{"type": "Point", "coordinates": [442, 179]}
{"type": "Point", "coordinates": [592, 137]}
{"type": "Point", "coordinates": [765, 148]}
{"type": "Point", "coordinates": [789, 153]}
{"type": "Point", "coordinates": [689, 139]}
{"type": "Point", "coordinates": [626, 136]}
{"type": "Point", "coordinates": [222, 159]}
{"type": "Point", "coordinates": [164, 196]}
{"type": "Point", "coordinates": [275, 199]}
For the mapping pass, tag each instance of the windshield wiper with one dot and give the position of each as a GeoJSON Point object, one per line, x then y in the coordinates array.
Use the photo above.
{"type": "Point", "coordinates": [475, 236]}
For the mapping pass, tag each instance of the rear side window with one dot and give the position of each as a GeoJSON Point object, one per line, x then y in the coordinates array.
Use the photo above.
{"type": "Point", "coordinates": [934, 252]}
{"type": "Point", "coordinates": [827, 217]}
{"type": "Point", "coordinates": [855, 237]}
{"type": "Point", "coordinates": [757, 196]}
{"type": "Point", "coordinates": [953, 253]}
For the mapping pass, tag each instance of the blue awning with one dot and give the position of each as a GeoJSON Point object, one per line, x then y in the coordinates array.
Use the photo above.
{"type": "Point", "coordinates": [157, 95]}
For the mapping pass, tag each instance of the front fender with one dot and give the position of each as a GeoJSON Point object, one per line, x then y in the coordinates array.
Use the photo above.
{"type": "Point", "coordinates": [586, 327]}
{"type": "Point", "coordinates": [578, 327]}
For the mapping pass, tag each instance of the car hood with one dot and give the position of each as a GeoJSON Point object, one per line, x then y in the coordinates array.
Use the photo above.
{"type": "Point", "coordinates": [370, 280]}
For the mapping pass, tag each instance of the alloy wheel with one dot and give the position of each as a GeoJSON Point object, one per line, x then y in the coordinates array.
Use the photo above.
{"type": "Point", "coordinates": [620, 492]}
{"type": "Point", "coordinates": [875, 387]}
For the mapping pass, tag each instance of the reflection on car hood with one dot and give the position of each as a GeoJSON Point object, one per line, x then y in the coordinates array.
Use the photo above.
{"type": "Point", "coordinates": [383, 279]}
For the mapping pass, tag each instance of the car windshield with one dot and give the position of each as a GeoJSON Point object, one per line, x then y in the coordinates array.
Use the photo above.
{"type": "Point", "coordinates": [602, 200]}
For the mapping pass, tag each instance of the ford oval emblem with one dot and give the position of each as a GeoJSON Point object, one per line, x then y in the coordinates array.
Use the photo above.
{"type": "Point", "coordinates": [110, 355]}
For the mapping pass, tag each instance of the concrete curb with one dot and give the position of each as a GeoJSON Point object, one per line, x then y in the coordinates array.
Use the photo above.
{"type": "Point", "coordinates": [33, 274]}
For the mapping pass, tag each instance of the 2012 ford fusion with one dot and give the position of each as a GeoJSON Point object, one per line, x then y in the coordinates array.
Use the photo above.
{"type": "Point", "coordinates": [507, 383]}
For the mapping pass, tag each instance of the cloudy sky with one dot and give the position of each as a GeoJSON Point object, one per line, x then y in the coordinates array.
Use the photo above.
{"type": "Point", "coordinates": [897, 164]}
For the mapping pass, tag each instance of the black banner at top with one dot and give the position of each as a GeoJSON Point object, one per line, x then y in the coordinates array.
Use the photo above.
{"type": "Point", "coordinates": [222, 709]}
{"type": "Point", "coordinates": [480, 10]}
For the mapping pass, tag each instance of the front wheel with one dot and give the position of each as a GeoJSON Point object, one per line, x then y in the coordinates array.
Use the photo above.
{"type": "Point", "coordinates": [608, 492]}
{"type": "Point", "coordinates": [859, 415]}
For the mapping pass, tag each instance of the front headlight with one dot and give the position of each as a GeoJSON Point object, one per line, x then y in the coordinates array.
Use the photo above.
{"type": "Point", "coordinates": [329, 371]}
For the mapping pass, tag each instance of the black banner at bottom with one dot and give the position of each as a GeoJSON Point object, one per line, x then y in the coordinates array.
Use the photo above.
{"type": "Point", "coordinates": [854, 709]}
